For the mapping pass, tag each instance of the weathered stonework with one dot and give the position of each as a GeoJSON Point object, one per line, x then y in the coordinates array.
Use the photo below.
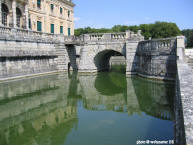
{"type": "Point", "coordinates": [24, 53]}
{"type": "Point", "coordinates": [157, 58]}
{"type": "Point", "coordinates": [97, 50]}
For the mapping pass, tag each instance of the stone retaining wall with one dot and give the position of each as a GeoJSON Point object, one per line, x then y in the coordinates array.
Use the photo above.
{"type": "Point", "coordinates": [26, 58]}
{"type": "Point", "coordinates": [25, 52]}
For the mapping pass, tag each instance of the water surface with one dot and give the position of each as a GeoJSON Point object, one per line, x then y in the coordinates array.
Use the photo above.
{"type": "Point", "coordinates": [75, 109]}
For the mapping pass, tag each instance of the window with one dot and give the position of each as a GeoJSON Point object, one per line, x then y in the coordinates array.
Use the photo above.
{"type": "Point", "coordinates": [39, 3]}
{"type": "Point", "coordinates": [39, 26]}
{"type": "Point", "coordinates": [52, 7]}
{"type": "Point", "coordinates": [18, 17]}
{"type": "Point", "coordinates": [61, 29]}
{"type": "Point", "coordinates": [69, 32]}
{"type": "Point", "coordinates": [29, 21]}
{"type": "Point", "coordinates": [68, 13]}
{"type": "Point", "coordinates": [4, 14]}
{"type": "Point", "coordinates": [61, 10]}
{"type": "Point", "coordinates": [52, 28]}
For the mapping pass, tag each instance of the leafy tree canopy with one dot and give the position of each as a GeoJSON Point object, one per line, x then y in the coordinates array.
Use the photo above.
{"type": "Point", "coordinates": [156, 30]}
{"type": "Point", "coordinates": [188, 33]}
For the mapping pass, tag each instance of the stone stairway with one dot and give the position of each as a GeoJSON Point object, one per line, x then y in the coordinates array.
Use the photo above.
{"type": "Point", "coordinates": [61, 60]}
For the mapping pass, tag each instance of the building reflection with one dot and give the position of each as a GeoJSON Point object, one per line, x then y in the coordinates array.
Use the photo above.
{"type": "Point", "coordinates": [36, 113]}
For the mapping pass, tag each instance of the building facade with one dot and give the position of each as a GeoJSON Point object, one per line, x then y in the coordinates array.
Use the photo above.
{"type": "Point", "coordinates": [49, 16]}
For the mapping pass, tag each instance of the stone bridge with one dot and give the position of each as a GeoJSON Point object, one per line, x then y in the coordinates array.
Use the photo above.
{"type": "Point", "coordinates": [97, 50]}
{"type": "Point", "coordinates": [151, 58]}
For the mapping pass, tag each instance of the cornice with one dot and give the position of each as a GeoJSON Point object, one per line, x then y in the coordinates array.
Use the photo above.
{"type": "Point", "coordinates": [23, 1]}
{"type": "Point", "coordinates": [68, 3]}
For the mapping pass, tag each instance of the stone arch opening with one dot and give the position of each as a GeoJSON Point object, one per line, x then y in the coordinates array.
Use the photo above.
{"type": "Point", "coordinates": [102, 59]}
{"type": "Point", "coordinates": [4, 14]}
{"type": "Point", "coordinates": [19, 15]}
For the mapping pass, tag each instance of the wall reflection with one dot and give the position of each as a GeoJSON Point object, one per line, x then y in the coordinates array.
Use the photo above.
{"type": "Point", "coordinates": [43, 110]}
{"type": "Point", "coordinates": [36, 111]}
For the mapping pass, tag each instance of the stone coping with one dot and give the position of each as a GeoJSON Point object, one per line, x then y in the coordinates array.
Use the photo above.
{"type": "Point", "coordinates": [159, 39]}
{"type": "Point", "coordinates": [185, 74]}
{"type": "Point", "coordinates": [8, 79]}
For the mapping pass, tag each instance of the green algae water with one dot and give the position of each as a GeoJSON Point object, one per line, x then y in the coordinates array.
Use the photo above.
{"type": "Point", "coordinates": [94, 109]}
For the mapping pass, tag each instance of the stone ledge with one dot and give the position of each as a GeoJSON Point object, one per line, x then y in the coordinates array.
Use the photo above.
{"type": "Point", "coordinates": [28, 76]}
{"type": "Point", "coordinates": [16, 53]}
{"type": "Point", "coordinates": [153, 77]}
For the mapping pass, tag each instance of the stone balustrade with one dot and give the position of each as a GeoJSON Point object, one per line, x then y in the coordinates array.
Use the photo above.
{"type": "Point", "coordinates": [122, 36]}
{"type": "Point", "coordinates": [118, 36]}
{"type": "Point", "coordinates": [8, 33]}
{"type": "Point", "coordinates": [158, 45]}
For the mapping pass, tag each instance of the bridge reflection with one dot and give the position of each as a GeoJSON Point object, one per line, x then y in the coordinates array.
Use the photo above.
{"type": "Point", "coordinates": [115, 92]}
{"type": "Point", "coordinates": [44, 109]}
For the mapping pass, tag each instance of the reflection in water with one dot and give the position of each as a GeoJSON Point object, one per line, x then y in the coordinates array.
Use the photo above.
{"type": "Point", "coordinates": [75, 109]}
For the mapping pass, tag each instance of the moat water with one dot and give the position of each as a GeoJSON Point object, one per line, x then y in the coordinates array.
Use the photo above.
{"type": "Point", "coordinates": [94, 109]}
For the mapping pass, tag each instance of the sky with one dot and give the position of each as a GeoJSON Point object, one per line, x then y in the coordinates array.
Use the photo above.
{"type": "Point", "coordinates": [107, 13]}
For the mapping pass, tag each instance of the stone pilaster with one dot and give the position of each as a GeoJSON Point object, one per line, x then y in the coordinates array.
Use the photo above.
{"type": "Point", "coordinates": [26, 16]}
{"type": "Point", "coordinates": [14, 13]}
{"type": "Point", "coordinates": [128, 34]}
{"type": "Point", "coordinates": [131, 58]}
{"type": "Point", "coordinates": [181, 47]}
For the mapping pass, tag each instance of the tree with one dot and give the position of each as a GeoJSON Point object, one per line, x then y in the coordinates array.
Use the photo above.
{"type": "Point", "coordinates": [188, 33]}
{"type": "Point", "coordinates": [120, 28]}
{"type": "Point", "coordinates": [164, 30]}
{"type": "Point", "coordinates": [156, 30]}
{"type": "Point", "coordinates": [146, 30]}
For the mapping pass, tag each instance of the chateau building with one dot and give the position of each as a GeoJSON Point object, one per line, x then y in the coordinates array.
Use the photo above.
{"type": "Point", "coordinates": [49, 16]}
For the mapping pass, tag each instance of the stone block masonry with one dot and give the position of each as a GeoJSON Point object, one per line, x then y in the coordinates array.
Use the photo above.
{"type": "Point", "coordinates": [22, 58]}
{"type": "Point", "coordinates": [25, 53]}
{"type": "Point", "coordinates": [157, 58]}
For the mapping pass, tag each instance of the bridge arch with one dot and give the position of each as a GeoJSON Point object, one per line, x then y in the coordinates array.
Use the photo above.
{"type": "Point", "coordinates": [96, 56]}
{"type": "Point", "coordinates": [102, 59]}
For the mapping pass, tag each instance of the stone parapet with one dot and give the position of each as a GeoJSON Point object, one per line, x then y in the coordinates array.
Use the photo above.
{"type": "Point", "coordinates": [183, 104]}
{"type": "Point", "coordinates": [167, 45]}
{"type": "Point", "coordinates": [122, 36]}
{"type": "Point", "coordinates": [24, 35]}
